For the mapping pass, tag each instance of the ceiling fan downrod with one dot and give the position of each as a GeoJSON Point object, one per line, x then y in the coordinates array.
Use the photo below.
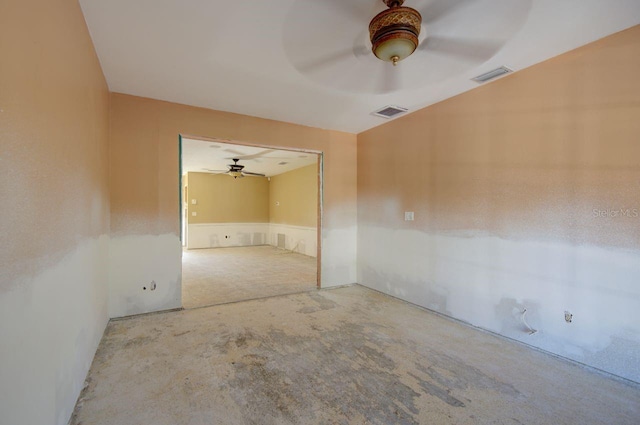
{"type": "Point", "coordinates": [393, 3]}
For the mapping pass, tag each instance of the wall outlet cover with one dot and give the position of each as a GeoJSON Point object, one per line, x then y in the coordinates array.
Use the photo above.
{"type": "Point", "coordinates": [568, 317]}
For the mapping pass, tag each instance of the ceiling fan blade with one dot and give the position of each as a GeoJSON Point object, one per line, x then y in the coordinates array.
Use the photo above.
{"type": "Point", "coordinates": [325, 61]}
{"type": "Point", "coordinates": [253, 174]}
{"type": "Point", "coordinates": [233, 151]}
{"type": "Point", "coordinates": [440, 9]}
{"type": "Point", "coordinates": [462, 48]}
{"type": "Point", "coordinates": [256, 155]}
{"type": "Point", "coordinates": [208, 171]}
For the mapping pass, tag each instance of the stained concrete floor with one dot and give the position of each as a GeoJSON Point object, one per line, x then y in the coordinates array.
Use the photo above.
{"type": "Point", "coordinates": [342, 356]}
{"type": "Point", "coordinates": [221, 275]}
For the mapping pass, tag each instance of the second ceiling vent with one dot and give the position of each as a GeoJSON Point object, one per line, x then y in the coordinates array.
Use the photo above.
{"type": "Point", "coordinates": [390, 111]}
{"type": "Point", "coordinates": [495, 73]}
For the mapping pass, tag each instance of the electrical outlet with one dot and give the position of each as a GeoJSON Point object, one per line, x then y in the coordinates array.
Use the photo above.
{"type": "Point", "coordinates": [568, 317]}
{"type": "Point", "coordinates": [408, 216]}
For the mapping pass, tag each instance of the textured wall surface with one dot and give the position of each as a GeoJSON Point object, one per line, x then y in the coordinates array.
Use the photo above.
{"type": "Point", "coordinates": [223, 199]}
{"type": "Point", "coordinates": [296, 193]}
{"type": "Point", "coordinates": [54, 217]}
{"type": "Point", "coordinates": [144, 183]}
{"type": "Point", "coordinates": [526, 196]}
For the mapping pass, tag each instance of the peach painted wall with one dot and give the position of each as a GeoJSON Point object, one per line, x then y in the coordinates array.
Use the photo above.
{"type": "Point", "coordinates": [54, 116]}
{"type": "Point", "coordinates": [144, 193]}
{"type": "Point", "coordinates": [515, 187]}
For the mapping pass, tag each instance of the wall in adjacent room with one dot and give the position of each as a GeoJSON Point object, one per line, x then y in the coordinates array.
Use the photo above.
{"type": "Point", "coordinates": [293, 197]}
{"type": "Point", "coordinates": [526, 196]}
{"type": "Point", "coordinates": [293, 210]}
{"type": "Point", "coordinates": [54, 122]}
{"type": "Point", "coordinates": [223, 199]}
{"type": "Point", "coordinates": [145, 204]}
{"type": "Point", "coordinates": [229, 212]}
{"type": "Point", "coordinates": [254, 210]}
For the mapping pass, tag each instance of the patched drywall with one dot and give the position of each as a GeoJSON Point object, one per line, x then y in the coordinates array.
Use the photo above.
{"type": "Point", "coordinates": [51, 327]}
{"type": "Point", "coordinates": [220, 235]}
{"type": "Point", "coordinates": [54, 118]}
{"type": "Point", "coordinates": [489, 282]}
{"type": "Point", "coordinates": [525, 196]}
{"type": "Point", "coordinates": [296, 238]}
{"type": "Point", "coordinates": [337, 248]}
{"type": "Point", "coordinates": [144, 274]}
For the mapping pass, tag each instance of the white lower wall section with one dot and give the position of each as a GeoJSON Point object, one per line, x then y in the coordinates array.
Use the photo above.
{"type": "Point", "coordinates": [215, 235]}
{"type": "Point", "coordinates": [338, 257]}
{"type": "Point", "coordinates": [138, 261]}
{"type": "Point", "coordinates": [297, 238]}
{"type": "Point", "coordinates": [488, 282]}
{"type": "Point", "coordinates": [50, 328]}
{"type": "Point", "coordinates": [338, 245]}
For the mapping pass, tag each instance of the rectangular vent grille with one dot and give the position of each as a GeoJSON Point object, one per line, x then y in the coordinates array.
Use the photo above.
{"type": "Point", "coordinates": [492, 74]}
{"type": "Point", "coordinates": [390, 111]}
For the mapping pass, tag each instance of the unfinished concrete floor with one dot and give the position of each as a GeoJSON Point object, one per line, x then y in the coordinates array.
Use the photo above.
{"type": "Point", "coordinates": [342, 356]}
{"type": "Point", "coordinates": [221, 275]}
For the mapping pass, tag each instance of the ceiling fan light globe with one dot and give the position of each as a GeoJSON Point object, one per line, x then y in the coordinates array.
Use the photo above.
{"type": "Point", "coordinates": [394, 33]}
{"type": "Point", "coordinates": [399, 48]}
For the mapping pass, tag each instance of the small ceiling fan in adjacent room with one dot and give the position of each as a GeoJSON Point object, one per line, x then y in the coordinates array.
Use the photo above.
{"type": "Point", "coordinates": [235, 170]}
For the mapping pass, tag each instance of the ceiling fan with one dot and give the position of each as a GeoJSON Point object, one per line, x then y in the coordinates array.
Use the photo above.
{"type": "Point", "coordinates": [235, 170]}
{"type": "Point", "coordinates": [428, 40]}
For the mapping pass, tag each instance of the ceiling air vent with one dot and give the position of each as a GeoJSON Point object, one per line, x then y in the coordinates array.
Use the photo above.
{"type": "Point", "coordinates": [492, 74]}
{"type": "Point", "coordinates": [390, 111]}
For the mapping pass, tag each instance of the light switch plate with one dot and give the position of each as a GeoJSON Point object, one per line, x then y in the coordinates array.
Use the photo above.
{"type": "Point", "coordinates": [408, 216]}
{"type": "Point", "coordinates": [194, 201]}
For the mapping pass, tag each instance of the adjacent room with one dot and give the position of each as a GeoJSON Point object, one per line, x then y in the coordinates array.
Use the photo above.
{"type": "Point", "coordinates": [320, 212]}
{"type": "Point", "coordinates": [249, 222]}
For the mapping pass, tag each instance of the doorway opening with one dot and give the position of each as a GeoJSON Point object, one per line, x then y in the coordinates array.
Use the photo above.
{"type": "Point", "coordinates": [250, 221]}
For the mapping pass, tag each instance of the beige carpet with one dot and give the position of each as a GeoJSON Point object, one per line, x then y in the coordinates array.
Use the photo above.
{"type": "Point", "coordinates": [223, 275]}
{"type": "Point", "coordinates": [342, 356]}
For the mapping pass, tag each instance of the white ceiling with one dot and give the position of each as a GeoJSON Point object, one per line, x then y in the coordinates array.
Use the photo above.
{"type": "Point", "coordinates": [308, 61]}
{"type": "Point", "coordinates": [203, 156]}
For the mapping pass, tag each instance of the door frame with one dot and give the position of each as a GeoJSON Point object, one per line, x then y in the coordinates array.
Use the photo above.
{"type": "Point", "coordinates": [320, 162]}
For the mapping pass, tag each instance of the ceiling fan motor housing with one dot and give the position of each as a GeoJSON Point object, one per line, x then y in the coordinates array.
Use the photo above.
{"type": "Point", "coordinates": [394, 32]}
{"type": "Point", "coordinates": [235, 166]}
